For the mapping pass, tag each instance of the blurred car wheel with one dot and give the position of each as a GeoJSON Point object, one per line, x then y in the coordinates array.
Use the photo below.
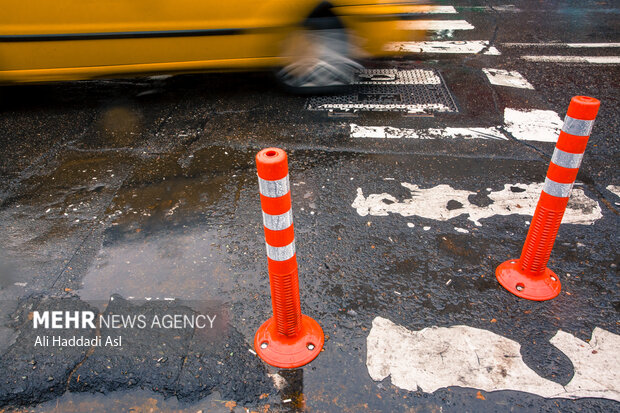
{"type": "Point", "coordinates": [318, 61]}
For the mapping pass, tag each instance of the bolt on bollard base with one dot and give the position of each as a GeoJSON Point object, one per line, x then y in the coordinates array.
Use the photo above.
{"type": "Point", "coordinates": [289, 351]}
{"type": "Point", "coordinates": [531, 287]}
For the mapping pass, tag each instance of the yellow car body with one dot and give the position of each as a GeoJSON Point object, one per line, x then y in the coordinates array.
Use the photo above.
{"type": "Point", "coordinates": [45, 40]}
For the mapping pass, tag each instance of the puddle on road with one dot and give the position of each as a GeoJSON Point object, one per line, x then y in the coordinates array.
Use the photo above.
{"type": "Point", "coordinates": [51, 214]}
{"type": "Point", "coordinates": [177, 264]}
{"type": "Point", "coordinates": [168, 232]}
{"type": "Point", "coordinates": [291, 396]}
{"type": "Point", "coordinates": [141, 401]}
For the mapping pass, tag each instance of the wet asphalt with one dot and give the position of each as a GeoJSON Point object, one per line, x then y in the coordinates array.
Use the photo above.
{"type": "Point", "coordinates": [118, 194]}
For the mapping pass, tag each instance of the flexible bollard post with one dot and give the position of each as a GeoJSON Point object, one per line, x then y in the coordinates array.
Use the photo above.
{"type": "Point", "coordinates": [528, 277]}
{"type": "Point", "coordinates": [289, 339]}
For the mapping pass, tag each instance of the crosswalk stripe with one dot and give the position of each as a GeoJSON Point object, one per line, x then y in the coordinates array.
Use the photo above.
{"type": "Point", "coordinates": [388, 132]}
{"type": "Point", "coordinates": [597, 60]}
{"type": "Point", "coordinates": [427, 9]}
{"type": "Point", "coordinates": [569, 45]}
{"type": "Point", "coordinates": [523, 124]}
{"type": "Point", "coordinates": [432, 203]}
{"type": "Point", "coordinates": [435, 25]}
{"type": "Point", "coordinates": [441, 47]}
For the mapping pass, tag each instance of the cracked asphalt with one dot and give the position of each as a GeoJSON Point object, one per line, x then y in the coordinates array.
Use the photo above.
{"type": "Point", "coordinates": [118, 195]}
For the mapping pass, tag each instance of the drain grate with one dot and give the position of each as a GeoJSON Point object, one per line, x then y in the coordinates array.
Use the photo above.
{"type": "Point", "coordinates": [411, 91]}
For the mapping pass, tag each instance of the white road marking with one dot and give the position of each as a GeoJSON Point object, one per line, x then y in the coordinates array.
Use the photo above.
{"type": "Point", "coordinates": [432, 203]}
{"type": "Point", "coordinates": [439, 357]}
{"type": "Point", "coordinates": [443, 10]}
{"type": "Point", "coordinates": [278, 381]}
{"type": "Point", "coordinates": [160, 77]}
{"type": "Point", "coordinates": [453, 47]}
{"type": "Point", "coordinates": [388, 132]}
{"type": "Point", "coordinates": [428, 9]}
{"type": "Point", "coordinates": [507, 78]}
{"type": "Point", "coordinates": [533, 125]}
{"type": "Point", "coordinates": [597, 60]}
{"type": "Point", "coordinates": [511, 8]}
{"type": "Point", "coordinates": [615, 189]}
{"type": "Point", "coordinates": [523, 124]}
{"type": "Point", "coordinates": [558, 44]}
{"type": "Point", "coordinates": [435, 25]}
{"type": "Point", "coordinates": [593, 363]}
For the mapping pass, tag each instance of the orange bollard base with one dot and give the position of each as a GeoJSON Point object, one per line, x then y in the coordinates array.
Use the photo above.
{"type": "Point", "coordinates": [289, 351]}
{"type": "Point", "coordinates": [531, 287]}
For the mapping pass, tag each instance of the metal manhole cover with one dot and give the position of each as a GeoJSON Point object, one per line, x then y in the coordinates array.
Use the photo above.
{"type": "Point", "coordinates": [411, 91]}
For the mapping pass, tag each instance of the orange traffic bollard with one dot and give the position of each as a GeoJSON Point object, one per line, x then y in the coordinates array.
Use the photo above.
{"type": "Point", "coordinates": [289, 339]}
{"type": "Point", "coordinates": [528, 277]}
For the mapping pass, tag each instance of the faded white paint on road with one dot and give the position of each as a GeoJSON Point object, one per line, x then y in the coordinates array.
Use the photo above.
{"type": "Point", "coordinates": [432, 203]}
{"type": "Point", "coordinates": [596, 364]}
{"type": "Point", "coordinates": [595, 60]}
{"type": "Point", "coordinates": [523, 124]}
{"type": "Point", "coordinates": [435, 25]}
{"type": "Point", "coordinates": [533, 125]}
{"type": "Point", "coordinates": [509, 8]}
{"type": "Point", "coordinates": [451, 47]}
{"type": "Point", "coordinates": [615, 189]}
{"type": "Point", "coordinates": [439, 357]}
{"type": "Point", "coordinates": [423, 9]}
{"type": "Point", "coordinates": [388, 132]}
{"type": "Point", "coordinates": [511, 78]}
{"type": "Point", "coordinates": [569, 45]}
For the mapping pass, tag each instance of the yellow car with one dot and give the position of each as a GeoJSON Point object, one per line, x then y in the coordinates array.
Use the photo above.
{"type": "Point", "coordinates": [314, 43]}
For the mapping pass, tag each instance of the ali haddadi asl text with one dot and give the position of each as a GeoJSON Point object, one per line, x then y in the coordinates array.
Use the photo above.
{"type": "Point", "coordinates": [78, 341]}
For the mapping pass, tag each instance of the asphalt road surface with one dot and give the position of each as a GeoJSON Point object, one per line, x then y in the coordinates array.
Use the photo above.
{"type": "Point", "coordinates": [140, 196]}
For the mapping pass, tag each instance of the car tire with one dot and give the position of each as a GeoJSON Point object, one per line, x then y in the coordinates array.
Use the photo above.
{"type": "Point", "coordinates": [318, 61]}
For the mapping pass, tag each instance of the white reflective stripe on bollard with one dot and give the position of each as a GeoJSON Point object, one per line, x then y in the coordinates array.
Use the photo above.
{"type": "Point", "coordinates": [577, 127]}
{"type": "Point", "coordinates": [278, 222]}
{"type": "Point", "coordinates": [281, 253]}
{"type": "Point", "coordinates": [273, 189]}
{"type": "Point", "coordinates": [557, 189]}
{"type": "Point", "coordinates": [566, 159]}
